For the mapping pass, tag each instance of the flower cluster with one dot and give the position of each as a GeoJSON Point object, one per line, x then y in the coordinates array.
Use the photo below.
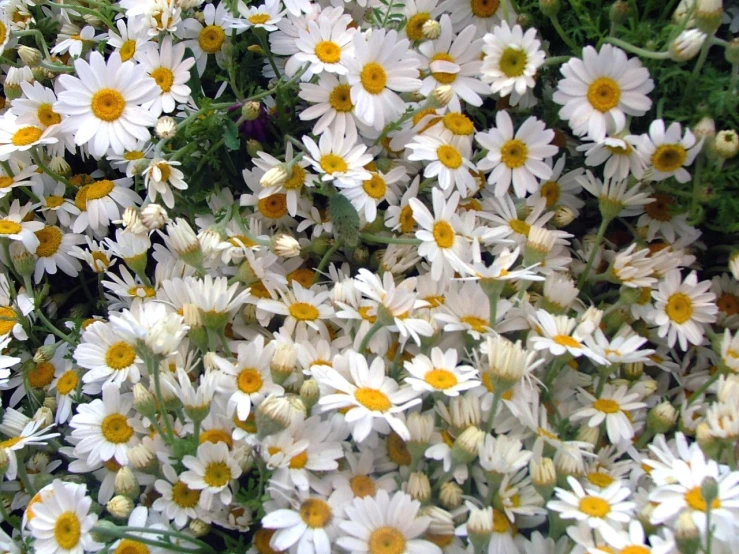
{"type": "Point", "coordinates": [367, 276]}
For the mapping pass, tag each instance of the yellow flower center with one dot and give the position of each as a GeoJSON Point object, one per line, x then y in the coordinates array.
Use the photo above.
{"type": "Point", "coordinates": [26, 135]}
{"type": "Point", "coordinates": [133, 155]}
{"type": "Point", "coordinates": [458, 123]}
{"type": "Point", "coordinates": [141, 291]}
{"type": "Point", "coordinates": [397, 450]}
{"type": "Point", "coordinates": [550, 192]}
{"type": "Point", "coordinates": [184, 496]}
{"type": "Point", "coordinates": [108, 104]}
{"type": "Point", "coordinates": [607, 406]}
{"type": "Point", "coordinates": [375, 187]}
{"type": "Point", "coordinates": [514, 153]}
{"type": "Point", "coordinates": [679, 308]}
{"type": "Point", "coordinates": [669, 157]}
{"type": "Point", "coordinates": [599, 479]}
{"type": "Point", "coordinates": [694, 499]}
{"type": "Point", "coordinates": [80, 198]}
{"type": "Point", "coordinates": [362, 486]}
{"type": "Point", "coordinates": [211, 38]}
{"type": "Point", "coordinates": [407, 223]}
{"type": "Point", "coordinates": [302, 275]}
{"type": "Point", "coordinates": [3, 32]}
{"type": "Point", "coordinates": [373, 78]}
{"type": "Point", "coordinates": [50, 238]}
{"type": "Point", "coordinates": [484, 8]}
{"type": "Point", "coordinates": [54, 201]}
{"type": "Point", "coordinates": [341, 99]}
{"type": "Point", "coordinates": [165, 169]}
{"type": "Point", "coordinates": [9, 443]}
{"type": "Point", "coordinates": [273, 206]}
{"type": "Point", "coordinates": [99, 189]}
{"type": "Point", "coordinates": [513, 61]}
{"type": "Point", "coordinates": [331, 163]}
{"type": "Point", "coordinates": [594, 506]}
{"type": "Point", "coordinates": [120, 356]}
{"type": "Point", "coordinates": [620, 150]}
{"type": "Point", "coordinates": [449, 156]}
{"type": "Point", "coordinates": [373, 399]}
{"type": "Point", "coordinates": [500, 522]}
{"type": "Point", "coordinates": [633, 549]}
{"type": "Point", "coordinates": [386, 540]}
{"type": "Point", "coordinates": [443, 234]}
{"type": "Point", "coordinates": [215, 436]}
{"type": "Point", "coordinates": [262, 539]}
{"type": "Point", "coordinates": [414, 27]}
{"type": "Point", "coordinates": [728, 303]}
{"type": "Point", "coordinates": [443, 78]}
{"type": "Point", "coordinates": [250, 425]}
{"type": "Point", "coordinates": [328, 51]}
{"type": "Point", "coordinates": [47, 116]}
{"type": "Point", "coordinates": [441, 379]}
{"type": "Point", "coordinates": [41, 375]}
{"type": "Point", "coordinates": [217, 474]}
{"type": "Point", "coordinates": [6, 181]}
{"type": "Point", "coordinates": [249, 380]}
{"type": "Point", "coordinates": [477, 324]}
{"type": "Point", "coordinates": [8, 227]}
{"type": "Point", "coordinates": [296, 180]}
{"type": "Point", "coordinates": [128, 546]}
{"type": "Point", "coordinates": [302, 311]}
{"type": "Point", "coordinates": [127, 50]}
{"type": "Point", "coordinates": [67, 382]}
{"type": "Point", "coordinates": [604, 94]}
{"type": "Point", "coordinates": [434, 300]}
{"type": "Point", "coordinates": [116, 429]}
{"type": "Point", "coordinates": [567, 341]}
{"type": "Point", "coordinates": [163, 77]}
{"type": "Point", "coordinates": [316, 513]}
{"type": "Point", "coordinates": [67, 530]}
{"type": "Point", "coordinates": [258, 18]}
{"type": "Point", "coordinates": [660, 208]}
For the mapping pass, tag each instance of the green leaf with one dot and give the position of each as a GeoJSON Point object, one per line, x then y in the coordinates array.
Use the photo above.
{"type": "Point", "coordinates": [231, 137]}
{"type": "Point", "coordinates": [345, 219]}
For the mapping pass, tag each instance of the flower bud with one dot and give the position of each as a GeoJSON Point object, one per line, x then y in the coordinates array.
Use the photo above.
{"type": "Point", "coordinates": [420, 427]}
{"type": "Point", "coordinates": [199, 528]}
{"type": "Point", "coordinates": [273, 415]}
{"type": "Point", "coordinates": [662, 417]}
{"type": "Point", "coordinates": [589, 434]}
{"type": "Point", "coordinates": [620, 12]}
{"type": "Point", "coordinates": [419, 486]}
{"type": "Point", "coordinates": [59, 165]}
{"type": "Point", "coordinates": [45, 416]}
{"type": "Point", "coordinates": [283, 362]}
{"type": "Point", "coordinates": [275, 177]}
{"type": "Point", "coordinates": [143, 401]}
{"type": "Point", "coordinates": [120, 506]}
{"type": "Point", "coordinates": [480, 527]}
{"type": "Point", "coordinates": [131, 221]}
{"type": "Point", "coordinates": [142, 458]}
{"type": "Point", "coordinates": [731, 52]}
{"type": "Point", "coordinates": [310, 393]}
{"type": "Point", "coordinates": [708, 15]}
{"type": "Point", "coordinates": [22, 259]}
{"type": "Point", "coordinates": [126, 482]}
{"type": "Point", "coordinates": [563, 216]}
{"type": "Point", "coordinates": [687, 45]}
{"type": "Point", "coordinates": [687, 534]}
{"type": "Point", "coordinates": [44, 353]}
{"type": "Point", "coordinates": [286, 246]}
{"type": "Point", "coordinates": [30, 56]}
{"type": "Point", "coordinates": [431, 29]}
{"type": "Point", "coordinates": [250, 111]}
{"type": "Point", "coordinates": [154, 216]}
{"type": "Point", "coordinates": [726, 144]}
{"type": "Point", "coordinates": [467, 445]}
{"type": "Point", "coordinates": [450, 495]}
{"type": "Point", "coordinates": [440, 96]}
{"type": "Point", "coordinates": [253, 146]}
{"type": "Point", "coordinates": [166, 127]}
{"type": "Point", "coordinates": [543, 476]}
{"type": "Point", "coordinates": [549, 7]}
{"type": "Point", "coordinates": [51, 403]}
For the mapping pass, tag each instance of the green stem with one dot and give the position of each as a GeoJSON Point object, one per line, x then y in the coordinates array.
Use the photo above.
{"type": "Point", "coordinates": [168, 546]}
{"type": "Point", "coordinates": [38, 36]}
{"type": "Point", "coordinates": [704, 387]}
{"type": "Point", "coordinates": [643, 52]}
{"type": "Point", "coordinates": [152, 365]}
{"type": "Point", "coordinates": [54, 330]}
{"type": "Point", "coordinates": [493, 411]}
{"type": "Point", "coordinates": [561, 32]}
{"type": "Point", "coordinates": [556, 60]}
{"type": "Point", "coordinates": [37, 160]}
{"type": "Point", "coordinates": [324, 262]}
{"type": "Point", "coordinates": [166, 533]}
{"type": "Point", "coordinates": [263, 43]}
{"type": "Point", "coordinates": [369, 237]}
{"type": "Point", "coordinates": [644, 439]}
{"type": "Point", "coordinates": [376, 326]}
{"type": "Point", "coordinates": [598, 239]}
{"type": "Point", "coordinates": [6, 516]}
{"type": "Point", "coordinates": [23, 476]}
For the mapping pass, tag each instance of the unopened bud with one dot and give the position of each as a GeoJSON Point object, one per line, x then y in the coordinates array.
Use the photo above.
{"type": "Point", "coordinates": [199, 528]}
{"type": "Point", "coordinates": [731, 52]}
{"type": "Point", "coordinates": [662, 417]}
{"type": "Point", "coordinates": [687, 534]}
{"type": "Point", "coordinates": [549, 7]}
{"type": "Point", "coordinates": [59, 165]}
{"type": "Point", "coordinates": [450, 495]}
{"type": "Point", "coordinates": [709, 490]}
{"type": "Point", "coordinates": [166, 127]}
{"type": "Point", "coordinates": [480, 527]}
{"type": "Point", "coordinates": [120, 506]}
{"type": "Point", "coordinates": [589, 434]}
{"type": "Point", "coordinates": [23, 260]}
{"type": "Point", "coordinates": [431, 29]}
{"type": "Point", "coordinates": [283, 362]}
{"type": "Point", "coordinates": [273, 415]}
{"type": "Point", "coordinates": [543, 476]}
{"type": "Point", "coordinates": [30, 56]}
{"type": "Point", "coordinates": [250, 111]}
{"type": "Point", "coordinates": [256, 49]}
{"type": "Point", "coordinates": [153, 216]}
{"type": "Point", "coordinates": [421, 428]}
{"type": "Point", "coordinates": [310, 393]}
{"type": "Point", "coordinates": [441, 96]}
{"type": "Point", "coordinates": [467, 445]}
{"type": "Point", "coordinates": [51, 403]}
{"type": "Point", "coordinates": [726, 144]}
{"type": "Point", "coordinates": [253, 146]}
{"type": "Point", "coordinates": [419, 486]}
{"type": "Point", "coordinates": [286, 246]}
{"type": "Point", "coordinates": [44, 353]}
{"type": "Point", "coordinates": [620, 12]}
{"type": "Point", "coordinates": [45, 416]}
{"type": "Point", "coordinates": [131, 221]}
{"type": "Point", "coordinates": [708, 15]}
{"type": "Point", "coordinates": [142, 458]}
{"type": "Point", "coordinates": [563, 216]}
{"type": "Point", "coordinates": [687, 45]}
{"type": "Point", "coordinates": [126, 482]}
{"type": "Point", "coordinates": [143, 401]}
{"type": "Point", "coordinates": [275, 177]}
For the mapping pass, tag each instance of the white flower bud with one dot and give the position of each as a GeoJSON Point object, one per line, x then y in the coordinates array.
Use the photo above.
{"type": "Point", "coordinates": [726, 144]}
{"type": "Point", "coordinates": [120, 506]}
{"type": "Point", "coordinates": [126, 482]}
{"type": "Point", "coordinates": [450, 495]}
{"type": "Point", "coordinates": [420, 427]}
{"type": "Point", "coordinates": [687, 45]}
{"type": "Point", "coordinates": [166, 127]}
{"type": "Point", "coordinates": [431, 29]}
{"type": "Point", "coordinates": [274, 177]}
{"type": "Point", "coordinates": [250, 110]}
{"type": "Point", "coordinates": [734, 265]}
{"type": "Point", "coordinates": [708, 15]}
{"type": "Point", "coordinates": [419, 486]}
{"type": "Point", "coordinates": [441, 96]}
{"type": "Point", "coordinates": [29, 56]}
{"type": "Point", "coordinates": [45, 416]}
{"type": "Point", "coordinates": [141, 457]}
{"type": "Point", "coordinates": [154, 216]}
{"type": "Point", "coordinates": [131, 221]}
{"type": "Point", "coordinates": [59, 165]}
{"type": "Point", "coordinates": [286, 246]}
{"type": "Point", "coordinates": [197, 526]}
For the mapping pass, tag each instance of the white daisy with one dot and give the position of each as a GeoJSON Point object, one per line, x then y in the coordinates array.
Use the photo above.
{"type": "Point", "coordinates": [100, 203]}
{"type": "Point", "coordinates": [131, 37]}
{"type": "Point", "coordinates": [620, 155]}
{"type": "Point", "coordinates": [516, 159]}
{"type": "Point", "coordinates": [366, 195]}
{"type": "Point", "coordinates": [667, 151]}
{"type": "Point", "coordinates": [559, 335]}
{"type": "Point", "coordinates": [332, 104]}
{"type": "Point", "coordinates": [209, 36]}
{"type": "Point", "coordinates": [292, 187]}
{"type": "Point", "coordinates": [265, 16]}
{"type": "Point", "coordinates": [325, 44]}
{"type": "Point", "coordinates": [211, 471]}
{"type": "Point", "coordinates": [18, 176]}
{"type": "Point", "coordinates": [16, 136]}
{"type": "Point", "coordinates": [483, 14]}
{"type": "Point", "coordinates": [166, 64]}
{"type": "Point", "coordinates": [339, 157]}
{"type": "Point", "coordinates": [160, 177]}
{"type": "Point", "coordinates": [54, 252]}
{"type": "Point", "coordinates": [613, 406]}
{"type": "Point", "coordinates": [440, 373]}
{"type": "Point", "coordinates": [599, 91]}
{"type": "Point", "coordinates": [449, 162]}
{"type": "Point", "coordinates": [13, 226]}
{"type": "Point", "coordinates": [178, 502]}
{"type": "Point", "coordinates": [31, 435]}
{"type": "Point", "coordinates": [36, 106]}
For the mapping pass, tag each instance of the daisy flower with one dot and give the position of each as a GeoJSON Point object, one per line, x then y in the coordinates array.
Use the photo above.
{"type": "Point", "coordinates": [165, 64]}
{"type": "Point", "coordinates": [449, 162]}
{"type": "Point", "coordinates": [454, 62]}
{"type": "Point", "coordinates": [373, 398]}
{"type": "Point", "coordinates": [483, 14]}
{"type": "Point", "coordinates": [613, 407]}
{"type": "Point", "coordinates": [54, 252]}
{"type": "Point", "coordinates": [516, 158]}
{"type": "Point", "coordinates": [104, 427]}
{"type": "Point", "coordinates": [324, 44]}
{"type": "Point", "coordinates": [440, 373]}
{"type": "Point", "coordinates": [103, 104]}
{"type": "Point", "coordinates": [366, 195]}
{"type": "Point", "coordinates": [160, 177]}
{"type": "Point", "coordinates": [71, 39]}
{"type": "Point", "coordinates": [131, 37]}
{"type": "Point", "coordinates": [31, 435]}
{"type": "Point", "coordinates": [399, 217]}
{"type": "Point", "coordinates": [379, 69]}
{"type": "Point", "coordinates": [19, 176]}
{"type": "Point", "coordinates": [248, 381]}
{"type": "Point", "coordinates": [292, 187]}
{"type": "Point", "coordinates": [511, 60]}
{"type": "Point", "coordinates": [682, 308]}
{"type": "Point", "coordinates": [442, 246]}
{"type": "Point", "coordinates": [65, 384]}
{"type": "Point", "coordinates": [339, 157]}
{"type": "Point", "coordinates": [383, 524]}
{"type": "Point", "coordinates": [5, 28]}
{"type": "Point", "coordinates": [466, 309]}
{"type": "Point", "coordinates": [100, 203]}
{"type": "Point", "coordinates": [418, 12]}
{"type": "Point", "coordinates": [560, 336]}
{"type": "Point", "coordinates": [303, 307]}
{"type": "Point", "coordinates": [36, 106]}
{"type": "Point", "coordinates": [265, 16]}
{"type": "Point", "coordinates": [619, 153]}
{"type": "Point", "coordinates": [332, 104]}
{"type": "Point", "coordinates": [61, 522]}
{"type": "Point", "coordinates": [19, 137]}
{"type": "Point", "coordinates": [560, 190]}
{"type": "Point", "coordinates": [178, 502]}
{"type": "Point", "coordinates": [599, 91]}
{"type": "Point", "coordinates": [211, 471]}
{"type": "Point", "coordinates": [13, 226]}
{"type": "Point", "coordinates": [617, 194]}
{"type": "Point", "coordinates": [667, 152]}
{"type": "Point", "coordinates": [597, 508]}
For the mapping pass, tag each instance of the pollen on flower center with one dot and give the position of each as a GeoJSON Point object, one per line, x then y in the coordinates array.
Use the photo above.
{"type": "Point", "coordinates": [127, 50]}
{"type": "Point", "coordinates": [273, 206]}
{"type": "Point", "coordinates": [67, 382]}
{"type": "Point", "coordinates": [296, 180]}
{"type": "Point", "coordinates": [443, 78]}
{"type": "Point", "coordinates": [458, 123]}
{"type": "Point", "coordinates": [373, 78]}
{"type": "Point", "coordinates": [514, 153]}
{"type": "Point", "coordinates": [54, 201]}
{"type": "Point", "coordinates": [406, 219]}
{"type": "Point", "coordinates": [414, 27]}
{"type": "Point", "coordinates": [679, 308]}
{"type": "Point", "coordinates": [441, 379]}
{"type": "Point", "coordinates": [6, 181]}
{"type": "Point", "coordinates": [120, 356]}
{"type": "Point", "coordinates": [116, 429]}
{"type": "Point", "coordinates": [67, 530]}
{"type": "Point", "coordinates": [373, 399]}
{"type": "Point", "coordinates": [449, 156]}
{"type": "Point", "coordinates": [26, 135]}
{"type": "Point", "coordinates": [669, 157]}
{"type": "Point", "coordinates": [728, 303]}
{"type": "Point", "coordinates": [50, 238]}
{"type": "Point", "coordinates": [484, 8]}
{"type": "Point", "coordinates": [184, 496]}
{"type": "Point", "coordinates": [513, 61]}
{"type": "Point", "coordinates": [633, 549]}
{"type": "Point", "coordinates": [567, 341]}
{"type": "Point", "coordinates": [328, 51]}
{"type": "Point", "coordinates": [164, 78]}
{"type": "Point", "coordinates": [302, 311]}
{"type": "Point", "coordinates": [41, 375]}
{"type": "Point", "coordinates": [443, 234]}
{"type": "Point", "coordinates": [108, 104]}
{"type": "Point", "coordinates": [599, 479]}
{"type": "Point", "coordinates": [8, 227]}
{"type": "Point", "coordinates": [340, 98]}
{"type": "Point", "coordinates": [47, 116]}
{"type": "Point", "coordinates": [249, 380]}
{"type": "Point", "coordinates": [550, 192]}
{"type": "Point", "coordinates": [331, 163]}
{"type": "Point", "coordinates": [607, 406]}
{"type": "Point", "coordinates": [500, 522]}
{"type": "Point", "coordinates": [258, 18]}
{"type": "Point", "coordinates": [386, 540]}
{"type": "Point", "coordinates": [477, 324]}
{"type": "Point", "coordinates": [604, 94]}
{"type": "Point", "coordinates": [211, 38]}
{"type": "Point", "coordinates": [694, 499]}
{"type": "Point", "coordinates": [660, 208]}
{"type": "Point", "coordinates": [375, 187]}
{"type": "Point", "coordinates": [217, 474]}
{"type": "Point", "coordinates": [362, 486]}
{"type": "Point", "coordinates": [594, 506]}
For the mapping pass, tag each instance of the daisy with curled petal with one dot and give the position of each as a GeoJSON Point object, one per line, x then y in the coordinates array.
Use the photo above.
{"type": "Point", "coordinates": [599, 91]}
{"type": "Point", "coordinates": [166, 64]}
{"type": "Point", "coordinates": [667, 152]}
{"type": "Point", "coordinates": [248, 381]}
{"type": "Point", "coordinates": [454, 62]}
{"type": "Point", "coordinates": [467, 309]}
{"type": "Point", "coordinates": [211, 472]}
{"type": "Point", "coordinates": [16, 136]}
{"type": "Point", "coordinates": [104, 427]}
{"type": "Point", "coordinates": [614, 407]}
{"type": "Point", "coordinates": [618, 194]}
{"type": "Point", "coordinates": [382, 523]}
{"type": "Point", "coordinates": [440, 373]}
{"type": "Point", "coordinates": [339, 157]}
{"type": "Point", "coordinates": [442, 246]}
{"type": "Point", "coordinates": [332, 104]}
{"type": "Point", "coordinates": [682, 308]}
{"type": "Point", "coordinates": [366, 195]}
{"type": "Point", "coordinates": [518, 158]}
{"type": "Point", "coordinates": [325, 43]}
{"type": "Point", "coordinates": [103, 104]}
{"type": "Point", "coordinates": [373, 399]}
{"type": "Point", "coordinates": [511, 60]}
{"type": "Point", "coordinates": [160, 177]}
{"type": "Point", "coordinates": [620, 154]}
{"type": "Point", "coordinates": [303, 307]}
{"type": "Point", "coordinates": [178, 502]}
{"type": "Point", "coordinates": [449, 162]}
{"type": "Point", "coordinates": [559, 336]}
{"type": "Point", "coordinates": [597, 508]}
{"type": "Point", "coordinates": [379, 69]}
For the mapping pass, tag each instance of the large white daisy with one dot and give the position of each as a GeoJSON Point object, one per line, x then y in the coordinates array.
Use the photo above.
{"type": "Point", "coordinates": [167, 65]}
